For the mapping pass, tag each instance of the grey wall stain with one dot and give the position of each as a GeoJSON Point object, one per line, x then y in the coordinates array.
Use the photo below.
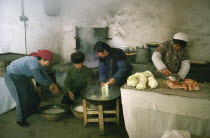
{"type": "Point", "coordinates": [132, 23]}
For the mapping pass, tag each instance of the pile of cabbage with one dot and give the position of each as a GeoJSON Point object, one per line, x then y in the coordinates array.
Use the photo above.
{"type": "Point", "coordinates": [141, 79]}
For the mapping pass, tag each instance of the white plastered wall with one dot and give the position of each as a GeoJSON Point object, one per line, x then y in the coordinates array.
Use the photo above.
{"type": "Point", "coordinates": [132, 23]}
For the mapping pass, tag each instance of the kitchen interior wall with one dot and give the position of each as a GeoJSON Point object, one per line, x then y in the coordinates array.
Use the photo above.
{"type": "Point", "coordinates": [42, 31]}
{"type": "Point", "coordinates": [11, 29]}
{"type": "Point", "coordinates": [132, 23]}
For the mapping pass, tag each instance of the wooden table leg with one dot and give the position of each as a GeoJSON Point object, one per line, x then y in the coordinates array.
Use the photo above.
{"type": "Point", "coordinates": [84, 111]}
{"type": "Point", "coordinates": [101, 119]}
{"type": "Point", "coordinates": [118, 111]}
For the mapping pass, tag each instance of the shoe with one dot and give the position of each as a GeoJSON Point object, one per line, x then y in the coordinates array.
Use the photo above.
{"type": "Point", "coordinates": [23, 123]}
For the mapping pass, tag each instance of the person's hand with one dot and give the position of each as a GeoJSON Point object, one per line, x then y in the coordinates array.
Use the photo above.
{"type": "Point", "coordinates": [54, 89]}
{"type": "Point", "coordinates": [102, 84]}
{"type": "Point", "coordinates": [71, 95]}
{"type": "Point", "coordinates": [51, 87]}
{"type": "Point", "coordinates": [166, 72]}
{"type": "Point", "coordinates": [111, 81]}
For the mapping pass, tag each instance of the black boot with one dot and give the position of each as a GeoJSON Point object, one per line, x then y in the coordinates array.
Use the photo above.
{"type": "Point", "coordinates": [23, 123]}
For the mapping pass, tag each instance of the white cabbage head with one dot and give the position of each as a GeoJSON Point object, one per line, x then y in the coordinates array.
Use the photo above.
{"type": "Point", "coordinates": [152, 82]}
{"type": "Point", "coordinates": [132, 81]}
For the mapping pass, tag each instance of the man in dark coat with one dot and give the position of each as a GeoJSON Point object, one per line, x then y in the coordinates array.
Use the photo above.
{"type": "Point", "coordinates": [114, 67]}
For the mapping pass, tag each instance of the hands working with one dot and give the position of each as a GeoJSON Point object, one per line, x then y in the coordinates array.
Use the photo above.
{"type": "Point", "coordinates": [110, 82]}
{"type": "Point", "coordinates": [54, 89]}
{"type": "Point", "coordinates": [166, 71]}
{"type": "Point", "coordinates": [71, 95]}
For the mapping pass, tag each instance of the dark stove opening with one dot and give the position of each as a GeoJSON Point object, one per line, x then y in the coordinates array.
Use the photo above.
{"type": "Point", "coordinates": [86, 37]}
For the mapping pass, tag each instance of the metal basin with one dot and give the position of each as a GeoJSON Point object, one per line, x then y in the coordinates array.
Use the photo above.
{"type": "Point", "coordinates": [54, 111]}
{"type": "Point", "coordinates": [94, 95]}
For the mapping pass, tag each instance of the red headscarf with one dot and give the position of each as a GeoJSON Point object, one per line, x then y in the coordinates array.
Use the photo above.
{"type": "Point", "coordinates": [35, 54]}
{"type": "Point", "coordinates": [45, 54]}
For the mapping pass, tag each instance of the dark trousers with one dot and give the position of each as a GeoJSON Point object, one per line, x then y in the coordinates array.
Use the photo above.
{"type": "Point", "coordinates": [22, 90]}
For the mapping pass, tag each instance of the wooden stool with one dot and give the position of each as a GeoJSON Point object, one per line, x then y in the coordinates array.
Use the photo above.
{"type": "Point", "coordinates": [100, 112]}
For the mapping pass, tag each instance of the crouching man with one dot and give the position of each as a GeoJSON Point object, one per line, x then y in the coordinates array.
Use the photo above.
{"type": "Point", "coordinates": [78, 78]}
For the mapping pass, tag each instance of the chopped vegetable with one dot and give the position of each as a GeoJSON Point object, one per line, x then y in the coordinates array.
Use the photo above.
{"type": "Point", "coordinates": [142, 82]}
{"type": "Point", "coordinates": [132, 81]}
{"type": "Point", "coordinates": [139, 80]}
{"type": "Point", "coordinates": [152, 82]}
{"type": "Point", "coordinates": [147, 74]}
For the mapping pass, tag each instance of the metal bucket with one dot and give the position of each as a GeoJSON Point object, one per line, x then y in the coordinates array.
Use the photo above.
{"type": "Point", "coordinates": [151, 51]}
{"type": "Point", "coordinates": [142, 55]}
{"type": "Point", "coordinates": [152, 47]}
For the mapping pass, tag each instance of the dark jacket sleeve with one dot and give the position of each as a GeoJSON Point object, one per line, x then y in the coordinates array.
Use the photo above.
{"type": "Point", "coordinates": [39, 77]}
{"type": "Point", "coordinates": [102, 72]}
{"type": "Point", "coordinates": [122, 69]}
{"type": "Point", "coordinates": [121, 60]}
{"type": "Point", "coordinates": [44, 72]}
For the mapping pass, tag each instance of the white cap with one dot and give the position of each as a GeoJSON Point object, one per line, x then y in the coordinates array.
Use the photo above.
{"type": "Point", "coordinates": [181, 36]}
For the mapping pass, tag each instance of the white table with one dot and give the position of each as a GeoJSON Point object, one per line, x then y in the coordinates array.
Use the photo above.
{"type": "Point", "coordinates": [149, 113]}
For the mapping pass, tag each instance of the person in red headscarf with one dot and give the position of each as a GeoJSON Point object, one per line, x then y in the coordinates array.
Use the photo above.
{"type": "Point", "coordinates": [18, 80]}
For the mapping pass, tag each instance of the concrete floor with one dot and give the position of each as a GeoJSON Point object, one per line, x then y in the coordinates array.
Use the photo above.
{"type": "Point", "coordinates": [70, 126]}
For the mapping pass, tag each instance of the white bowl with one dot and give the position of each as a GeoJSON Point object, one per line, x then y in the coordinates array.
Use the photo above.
{"type": "Point", "coordinates": [124, 48]}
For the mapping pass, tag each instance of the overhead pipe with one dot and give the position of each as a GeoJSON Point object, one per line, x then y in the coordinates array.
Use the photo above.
{"type": "Point", "coordinates": [24, 19]}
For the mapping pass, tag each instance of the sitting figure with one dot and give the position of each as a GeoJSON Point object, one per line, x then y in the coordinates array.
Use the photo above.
{"type": "Point", "coordinates": [78, 78]}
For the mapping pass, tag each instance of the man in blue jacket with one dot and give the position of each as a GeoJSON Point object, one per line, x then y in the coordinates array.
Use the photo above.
{"type": "Point", "coordinates": [114, 67]}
